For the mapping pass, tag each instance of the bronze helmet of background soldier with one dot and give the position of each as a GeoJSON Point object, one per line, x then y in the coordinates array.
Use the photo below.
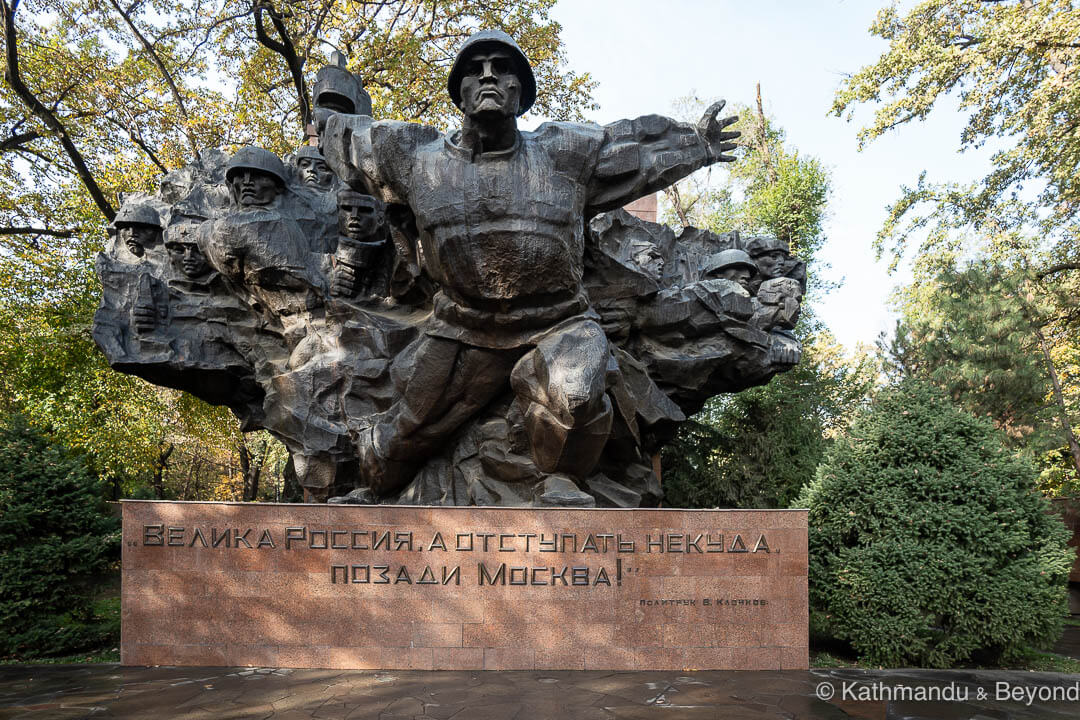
{"type": "Point", "coordinates": [256, 177]}
{"type": "Point", "coordinates": [138, 227]}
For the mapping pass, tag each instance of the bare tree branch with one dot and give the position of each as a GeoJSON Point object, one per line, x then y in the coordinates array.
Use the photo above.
{"type": "Point", "coordinates": [675, 198]}
{"type": "Point", "coordinates": [1060, 267]}
{"type": "Point", "coordinates": [14, 141]}
{"type": "Point", "coordinates": [197, 47]}
{"type": "Point", "coordinates": [286, 50]}
{"type": "Point", "coordinates": [47, 116]}
{"type": "Point", "coordinates": [138, 140]}
{"type": "Point", "coordinates": [36, 231]}
{"type": "Point", "coordinates": [49, 161]}
{"type": "Point", "coordinates": [316, 29]}
{"type": "Point", "coordinates": [761, 139]}
{"type": "Point", "coordinates": [166, 75]}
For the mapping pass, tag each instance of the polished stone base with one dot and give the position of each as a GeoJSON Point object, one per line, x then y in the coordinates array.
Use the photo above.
{"type": "Point", "coordinates": [466, 588]}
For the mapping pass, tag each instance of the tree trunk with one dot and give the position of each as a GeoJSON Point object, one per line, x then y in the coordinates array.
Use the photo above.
{"type": "Point", "coordinates": [761, 139]}
{"type": "Point", "coordinates": [251, 465]}
{"type": "Point", "coordinates": [1066, 426]}
{"type": "Point", "coordinates": [49, 118]}
{"type": "Point", "coordinates": [675, 199]}
{"type": "Point", "coordinates": [164, 451]}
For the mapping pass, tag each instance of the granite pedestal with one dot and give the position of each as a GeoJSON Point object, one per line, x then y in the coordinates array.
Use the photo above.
{"type": "Point", "coordinates": [464, 588]}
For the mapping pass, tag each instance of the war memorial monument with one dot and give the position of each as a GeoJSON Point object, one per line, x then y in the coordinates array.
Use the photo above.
{"type": "Point", "coordinates": [472, 354]}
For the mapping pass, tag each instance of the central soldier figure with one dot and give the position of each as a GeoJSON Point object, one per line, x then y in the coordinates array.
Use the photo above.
{"type": "Point", "coordinates": [501, 217]}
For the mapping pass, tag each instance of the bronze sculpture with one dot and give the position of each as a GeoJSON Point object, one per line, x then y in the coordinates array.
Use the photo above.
{"type": "Point", "coordinates": [478, 324]}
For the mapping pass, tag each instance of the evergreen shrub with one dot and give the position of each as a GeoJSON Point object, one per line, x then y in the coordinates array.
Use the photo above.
{"type": "Point", "coordinates": [929, 545]}
{"type": "Point", "coordinates": [57, 542]}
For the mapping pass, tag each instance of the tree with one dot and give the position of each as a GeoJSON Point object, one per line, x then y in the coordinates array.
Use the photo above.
{"type": "Point", "coordinates": [924, 531]}
{"type": "Point", "coordinates": [56, 540]}
{"type": "Point", "coordinates": [1011, 65]}
{"type": "Point", "coordinates": [991, 315]}
{"type": "Point", "coordinates": [990, 337]}
{"type": "Point", "coordinates": [100, 97]}
{"type": "Point", "coordinates": [769, 189]}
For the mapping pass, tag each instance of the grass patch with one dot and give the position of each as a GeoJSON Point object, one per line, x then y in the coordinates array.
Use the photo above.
{"type": "Point", "coordinates": [103, 655]}
{"type": "Point", "coordinates": [1041, 661]}
{"type": "Point", "coordinates": [825, 659]}
{"type": "Point", "coordinates": [828, 654]}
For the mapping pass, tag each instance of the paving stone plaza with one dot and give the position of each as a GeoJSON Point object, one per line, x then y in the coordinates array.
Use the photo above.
{"type": "Point", "coordinates": [112, 691]}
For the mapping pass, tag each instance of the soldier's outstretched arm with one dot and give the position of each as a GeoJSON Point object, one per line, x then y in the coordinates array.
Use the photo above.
{"type": "Point", "coordinates": [649, 153]}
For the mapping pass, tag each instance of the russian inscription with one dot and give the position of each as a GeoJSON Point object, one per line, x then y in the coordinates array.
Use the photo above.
{"type": "Point", "coordinates": [302, 538]}
{"type": "Point", "coordinates": [464, 588]}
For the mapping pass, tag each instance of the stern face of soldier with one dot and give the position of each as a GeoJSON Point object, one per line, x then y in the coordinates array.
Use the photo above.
{"type": "Point", "coordinates": [314, 172]}
{"type": "Point", "coordinates": [254, 187]}
{"type": "Point", "coordinates": [138, 237]}
{"type": "Point", "coordinates": [771, 264]}
{"type": "Point", "coordinates": [490, 85]}
{"type": "Point", "coordinates": [357, 221]}
{"type": "Point", "coordinates": [186, 255]}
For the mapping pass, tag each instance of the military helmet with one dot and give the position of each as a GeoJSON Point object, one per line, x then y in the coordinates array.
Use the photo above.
{"type": "Point", "coordinates": [182, 229]}
{"type": "Point", "coordinates": [136, 214]}
{"type": "Point", "coordinates": [760, 244]}
{"type": "Point", "coordinates": [348, 195]}
{"type": "Point", "coordinates": [486, 39]}
{"type": "Point", "coordinates": [334, 84]}
{"type": "Point", "coordinates": [309, 151]}
{"type": "Point", "coordinates": [253, 158]}
{"type": "Point", "coordinates": [729, 258]}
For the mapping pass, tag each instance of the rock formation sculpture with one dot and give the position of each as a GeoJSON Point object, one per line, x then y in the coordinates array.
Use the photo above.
{"type": "Point", "coordinates": [462, 318]}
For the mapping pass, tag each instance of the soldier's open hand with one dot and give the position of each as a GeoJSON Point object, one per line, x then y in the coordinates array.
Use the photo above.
{"type": "Point", "coordinates": [711, 128]}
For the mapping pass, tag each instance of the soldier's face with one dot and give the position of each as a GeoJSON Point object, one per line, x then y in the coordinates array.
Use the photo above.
{"type": "Point", "coordinates": [357, 220]}
{"type": "Point", "coordinates": [770, 264]}
{"type": "Point", "coordinates": [187, 256]}
{"type": "Point", "coordinates": [314, 172]}
{"type": "Point", "coordinates": [138, 237]}
{"type": "Point", "coordinates": [490, 85]}
{"type": "Point", "coordinates": [738, 273]}
{"type": "Point", "coordinates": [254, 187]}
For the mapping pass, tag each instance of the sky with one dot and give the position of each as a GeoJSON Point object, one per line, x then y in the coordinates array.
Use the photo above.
{"type": "Point", "coordinates": [646, 55]}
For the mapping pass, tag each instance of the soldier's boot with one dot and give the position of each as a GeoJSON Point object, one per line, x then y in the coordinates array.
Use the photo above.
{"type": "Point", "coordinates": [378, 472]}
{"type": "Point", "coordinates": [572, 448]}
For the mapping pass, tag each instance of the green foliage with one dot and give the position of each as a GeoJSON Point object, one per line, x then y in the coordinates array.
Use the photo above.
{"type": "Point", "coordinates": [1001, 332]}
{"type": "Point", "coordinates": [757, 448]}
{"type": "Point", "coordinates": [769, 189]}
{"type": "Point", "coordinates": [929, 544]}
{"type": "Point", "coordinates": [1011, 66]}
{"type": "Point", "coordinates": [990, 336]}
{"type": "Point", "coordinates": [56, 542]}
{"type": "Point", "coordinates": [969, 332]}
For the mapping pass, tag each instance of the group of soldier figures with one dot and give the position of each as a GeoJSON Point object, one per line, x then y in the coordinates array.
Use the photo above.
{"type": "Point", "coordinates": [462, 318]}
